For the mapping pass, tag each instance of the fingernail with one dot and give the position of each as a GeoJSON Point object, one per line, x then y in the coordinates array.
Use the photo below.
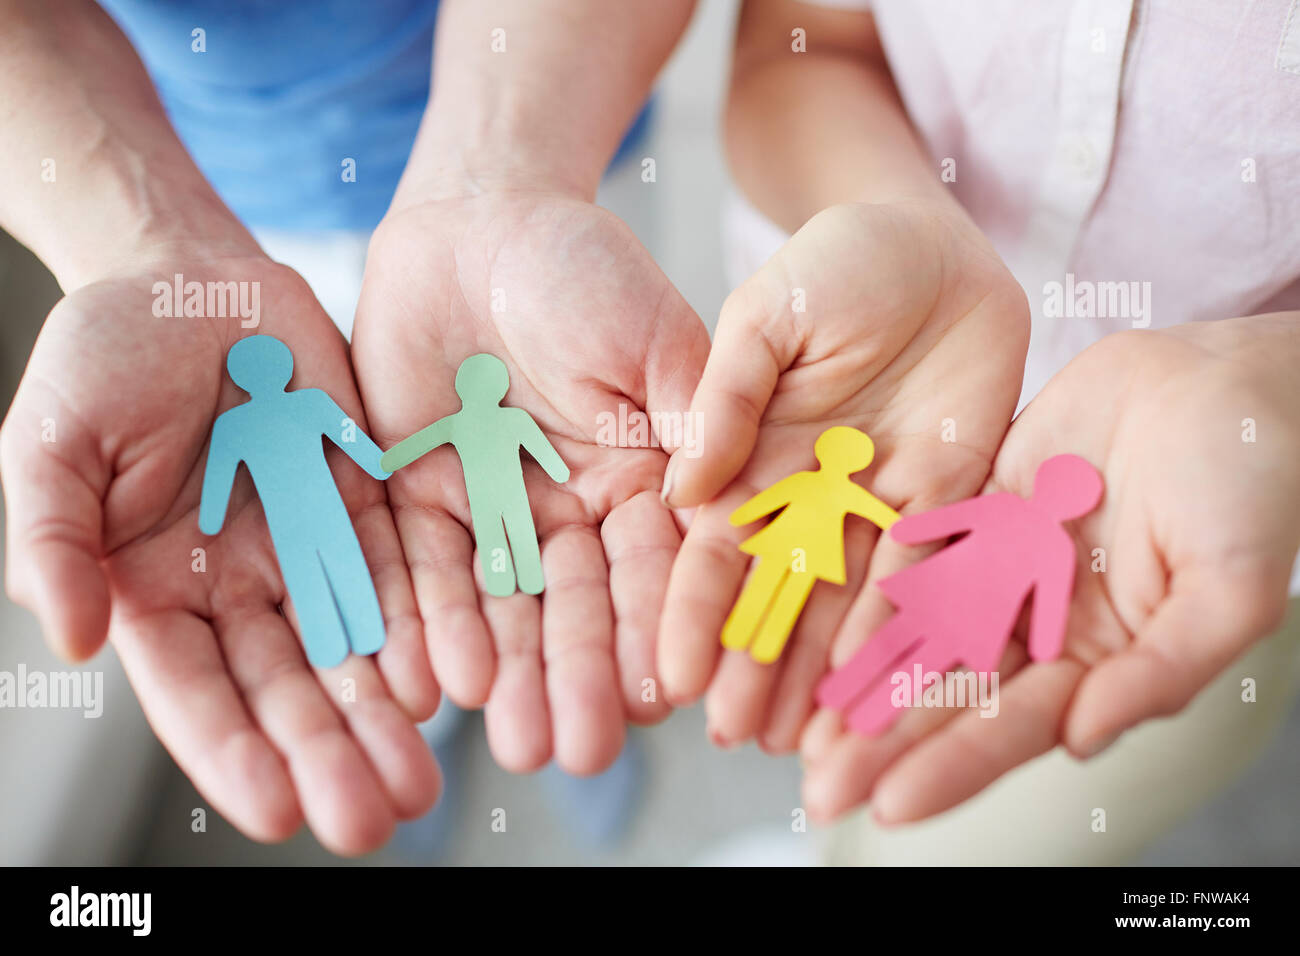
{"type": "Point", "coordinates": [669, 474]}
{"type": "Point", "coordinates": [719, 740]}
{"type": "Point", "coordinates": [880, 815]}
{"type": "Point", "coordinates": [1099, 745]}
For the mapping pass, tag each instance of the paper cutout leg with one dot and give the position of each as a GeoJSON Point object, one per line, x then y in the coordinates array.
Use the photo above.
{"type": "Point", "coordinates": [494, 554]}
{"type": "Point", "coordinates": [781, 616]}
{"type": "Point", "coordinates": [278, 435]}
{"type": "Point", "coordinates": [522, 535]}
{"type": "Point", "coordinates": [324, 635]}
{"type": "Point", "coordinates": [751, 607]}
{"type": "Point", "coordinates": [875, 711]}
{"type": "Point", "coordinates": [803, 544]}
{"type": "Point", "coordinates": [766, 611]}
{"type": "Point", "coordinates": [354, 593]}
{"type": "Point", "coordinates": [884, 648]}
{"type": "Point", "coordinates": [488, 438]}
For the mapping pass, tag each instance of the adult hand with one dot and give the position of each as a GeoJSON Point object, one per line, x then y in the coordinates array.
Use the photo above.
{"type": "Point", "coordinates": [102, 455]}
{"type": "Point", "coordinates": [563, 293]}
{"type": "Point", "coordinates": [912, 330]}
{"type": "Point", "coordinates": [1198, 531]}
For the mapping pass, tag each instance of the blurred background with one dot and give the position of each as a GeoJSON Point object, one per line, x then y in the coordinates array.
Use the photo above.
{"type": "Point", "coordinates": [76, 790]}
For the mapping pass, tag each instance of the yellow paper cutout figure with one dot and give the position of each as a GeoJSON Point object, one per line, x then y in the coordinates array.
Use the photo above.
{"type": "Point", "coordinates": [801, 545]}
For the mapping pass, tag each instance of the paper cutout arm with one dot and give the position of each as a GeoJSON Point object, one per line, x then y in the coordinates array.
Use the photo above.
{"type": "Point", "coordinates": [765, 502]}
{"type": "Point", "coordinates": [1051, 609]}
{"type": "Point", "coordinates": [358, 445]}
{"type": "Point", "coordinates": [543, 452]}
{"type": "Point", "coordinates": [875, 511]}
{"type": "Point", "coordinates": [940, 523]}
{"type": "Point", "coordinates": [218, 479]}
{"type": "Point", "coordinates": [414, 446]}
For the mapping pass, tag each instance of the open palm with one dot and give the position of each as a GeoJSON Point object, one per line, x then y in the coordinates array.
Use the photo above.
{"type": "Point", "coordinates": [103, 454]}
{"type": "Point", "coordinates": [898, 320]}
{"type": "Point", "coordinates": [1183, 565]}
{"type": "Point", "coordinates": [585, 322]}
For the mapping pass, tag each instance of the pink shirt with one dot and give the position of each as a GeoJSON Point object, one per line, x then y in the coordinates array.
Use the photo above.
{"type": "Point", "coordinates": [1135, 162]}
{"type": "Point", "coordinates": [1148, 141]}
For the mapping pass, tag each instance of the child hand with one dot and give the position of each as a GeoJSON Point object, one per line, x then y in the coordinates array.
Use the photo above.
{"type": "Point", "coordinates": [564, 295]}
{"type": "Point", "coordinates": [1197, 530]}
{"type": "Point", "coordinates": [915, 333]}
{"type": "Point", "coordinates": [103, 454]}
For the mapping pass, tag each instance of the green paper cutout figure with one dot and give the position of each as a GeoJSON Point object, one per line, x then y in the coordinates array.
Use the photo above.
{"type": "Point", "coordinates": [487, 437]}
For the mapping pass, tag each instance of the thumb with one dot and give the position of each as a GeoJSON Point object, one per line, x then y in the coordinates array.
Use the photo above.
{"type": "Point", "coordinates": [747, 358]}
{"type": "Point", "coordinates": [53, 524]}
{"type": "Point", "coordinates": [673, 363]}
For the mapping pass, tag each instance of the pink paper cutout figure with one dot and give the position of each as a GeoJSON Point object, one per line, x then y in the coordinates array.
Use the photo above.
{"type": "Point", "coordinates": [959, 605]}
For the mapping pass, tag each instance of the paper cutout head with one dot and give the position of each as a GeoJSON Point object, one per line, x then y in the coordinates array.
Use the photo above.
{"type": "Point", "coordinates": [260, 364]}
{"type": "Point", "coordinates": [844, 450]}
{"type": "Point", "coordinates": [482, 378]}
{"type": "Point", "coordinates": [1066, 487]}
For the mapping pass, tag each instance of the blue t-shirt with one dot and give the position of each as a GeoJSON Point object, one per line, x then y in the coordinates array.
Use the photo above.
{"type": "Point", "coordinates": [288, 97]}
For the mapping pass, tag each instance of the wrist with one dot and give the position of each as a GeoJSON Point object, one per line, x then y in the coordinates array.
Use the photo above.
{"type": "Point", "coordinates": [128, 213]}
{"type": "Point", "coordinates": [1266, 346]}
{"type": "Point", "coordinates": [548, 115]}
{"type": "Point", "coordinates": [463, 158]}
{"type": "Point", "coordinates": [109, 180]}
{"type": "Point", "coordinates": [1254, 355]}
{"type": "Point", "coordinates": [445, 166]}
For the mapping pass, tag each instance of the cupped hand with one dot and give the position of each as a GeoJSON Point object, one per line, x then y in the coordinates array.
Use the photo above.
{"type": "Point", "coordinates": [103, 453]}
{"type": "Point", "coordinates": [897, 319]}
{"type": "Point", "coordinates": [563, 293]}
{"type": "Point", "coordinates": [1184, 564]}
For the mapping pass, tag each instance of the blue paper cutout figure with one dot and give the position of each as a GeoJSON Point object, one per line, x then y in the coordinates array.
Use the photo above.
{"type": "Point", "coordinates": [277, 435]}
